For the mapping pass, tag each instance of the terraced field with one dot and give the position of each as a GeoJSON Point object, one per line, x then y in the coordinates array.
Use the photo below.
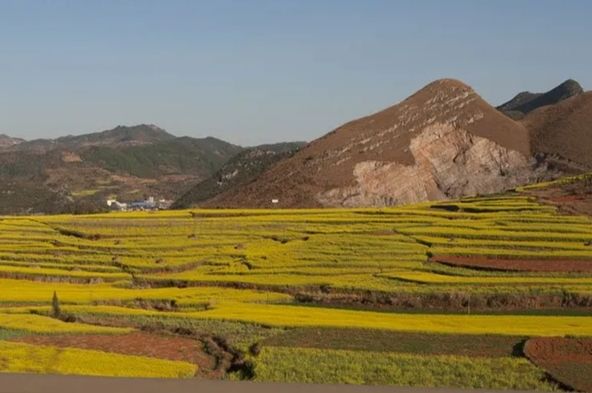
{"type": "Point", "coordinates": [437, 294]}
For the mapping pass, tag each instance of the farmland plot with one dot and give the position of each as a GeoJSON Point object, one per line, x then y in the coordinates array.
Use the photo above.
{"type": "Point", "coordinates": [266, 294]}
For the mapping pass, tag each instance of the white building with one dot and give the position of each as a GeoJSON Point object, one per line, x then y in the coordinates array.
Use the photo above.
{"type": "Point", "coordinates": [115, 205]}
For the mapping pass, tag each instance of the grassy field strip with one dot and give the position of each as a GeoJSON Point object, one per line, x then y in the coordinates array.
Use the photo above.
{"type": "Point", "coordinates": [25, 358]}
{"type": "Point", "coordinates": [432, 278]}
{"type": "Point", "coordinates": [63, 266]}
{"type": "Point", "coordinates": [281, 280]}
{"type": "Point", "coordinates": [563, 180]}
{"type": "Point", "coordinates": [544, 219]}
{"type": "Point", "coordinates": [513, 253]}
{"type": "Point", "coordinates": [558, 227]}
{"type": "Point", "coordinates": [328, 270]}
{"type": "Point", "coordinates": [496, 234]}
{"type": "Point", "coordinates": [40, 272]}
{"type": "Point", "coordinates": [503, 244]}
{"type": "Point", "coordinates": [301, 316]}
{"type": "Point", "coordinates": [399, 342]}
{"type": "Point", "coordinates": [19, 291]}
{"type": "Point", "coordinates": [277, 280]}
{"type": "Point", "coordinates": [58, 257]}
{"type": "Point", "coordinates": [459, 271]}
{"type": "Point", "coordinates": [45, 325]}
{"type": "Point", "coordinates": [376, 282]}
{"type": "Point", "coordinates": [280, 315]}
{"type": "Point", "coordinates": [359, 367]}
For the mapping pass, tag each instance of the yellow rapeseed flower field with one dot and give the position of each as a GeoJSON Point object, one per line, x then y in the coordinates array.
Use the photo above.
{"type": "Point", "coordinates": [25, 358]}
{"type": "Point", "coordinates": [46, 325]}
{"type": "Point", "coordinates": [242, 275]}
{"type": "Point", "coordinates": [432, 278]}
{"type": "Point", "coordinates": [527, 325]}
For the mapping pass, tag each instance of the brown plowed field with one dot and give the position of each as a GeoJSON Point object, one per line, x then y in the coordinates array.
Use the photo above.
{"type": "Point", "coordinates": [136, 343]}
{"type": "Point", "coordinates": [522, 265]}
{"type": "Point", "coordinates": [386, 341]}
{"type": "Point", "coordinates": [574, 198]}
{"type": "Point", "coordinates": [568, 360]}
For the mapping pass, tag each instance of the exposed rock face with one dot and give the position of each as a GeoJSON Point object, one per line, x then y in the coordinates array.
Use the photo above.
{"type": "Point", "coordinates": [449, 163]}
{"type": "Point", "coordinates": [442, 142]}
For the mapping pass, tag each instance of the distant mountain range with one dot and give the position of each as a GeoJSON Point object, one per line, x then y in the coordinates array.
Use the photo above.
{"type": "Point", "coordinates": [442, 142]}
{"type": "Point", "coordinates": [118, 137]}
{"type": "Point", "coordinates": [78, 173]}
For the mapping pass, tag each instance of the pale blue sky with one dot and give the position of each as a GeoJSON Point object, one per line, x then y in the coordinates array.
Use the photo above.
{"type": "Point", "coordinates": [255, 71]}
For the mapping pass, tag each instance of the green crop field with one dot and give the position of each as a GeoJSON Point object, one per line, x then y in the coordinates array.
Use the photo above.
{"type": "Point", "coordinates": [434, 294]}
{"type": "Point", "coordinates": [361, 367]}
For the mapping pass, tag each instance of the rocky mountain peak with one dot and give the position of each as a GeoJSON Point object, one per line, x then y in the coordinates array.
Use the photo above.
{"type": "Point", "coordinates": [444, 141]}
{"type": "Point", "coordinates": [526, 102]}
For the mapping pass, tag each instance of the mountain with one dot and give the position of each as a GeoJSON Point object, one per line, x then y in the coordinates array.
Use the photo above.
{"type": "Point", "coordinates": [442, 142]}
{"type": "Point", "coordinates": [563, 132]}
{"type": "Point", "coordinates": [525, 102]}
{"type": "Point", "coordinates": [78, 173]}
{"type": "Point", "coordinates": [238, 171]}
{"type": "Point", "coordinates": [8, 142]}
{"type": "Point", "coordinates": [198, 157]}
{"type": "Point", "coordinates": [119, 136]}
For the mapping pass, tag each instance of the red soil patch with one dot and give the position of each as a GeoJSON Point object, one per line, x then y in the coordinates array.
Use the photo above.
{"type": "Point", "coordinates": [521, 265]}
{"type": "Point", "coordinates": [567, 360]}
{"type": "Point", "coordinates": [136, 343]}
{"type": "Point", "coordinates": [568, 198]}
{"type": "Point", "coordinates": [574, 198]}
{"type": "Point", "coordinates": [571, 204]}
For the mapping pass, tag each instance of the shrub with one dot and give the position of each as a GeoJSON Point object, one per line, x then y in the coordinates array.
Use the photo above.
{"type": "Point", "coordinates": [56, 312]}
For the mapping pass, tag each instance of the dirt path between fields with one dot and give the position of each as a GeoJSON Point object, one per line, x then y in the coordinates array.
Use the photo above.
{"type": "Point", "coordinates": [25, 383]}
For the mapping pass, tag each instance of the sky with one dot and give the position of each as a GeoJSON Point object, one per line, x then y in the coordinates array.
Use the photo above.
{"type": "Point", "coordinates": [262, 71]}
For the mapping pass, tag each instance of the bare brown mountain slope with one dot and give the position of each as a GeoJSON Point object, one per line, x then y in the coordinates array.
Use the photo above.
{"type": "Point", "coordinates": [564, 130]}
{"type": "Point", "coordinates": [442, 142]}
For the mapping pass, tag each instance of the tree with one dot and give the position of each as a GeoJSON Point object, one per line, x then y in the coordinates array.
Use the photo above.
{"type": "Point", "coordinates": [55, 306]}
